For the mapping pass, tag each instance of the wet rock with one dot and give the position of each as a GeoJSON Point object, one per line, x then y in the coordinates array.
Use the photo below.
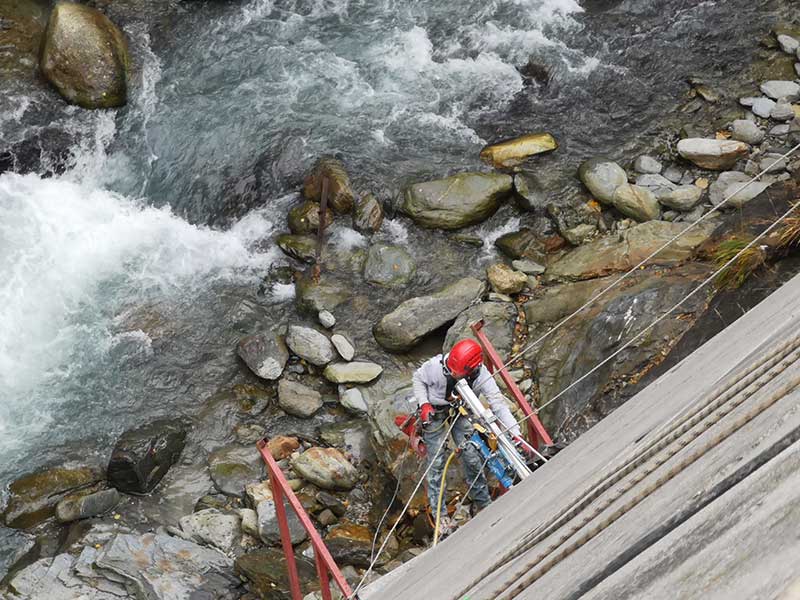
{"type": "Point", "coordinates": [33, 498]}
{"type": "Point", "coordinates": [531, 195]}
{"type": "Point", "coordinates": [343, 346]}
{"type": "Point", "coordinates": [85, 57]}
{"type": "Point", "coordinates": [388, 266]}
{"type": "Point", "coordinates": [304, 218]}
{"type": "Point", "coordinates": [331, 502]}
{"type": "Point", "coordinates": [412, 320]}
{"type": "Point", "coordinates": [214, 528]}
{"type": "Point", "coordinates": [353, 438]}
{"type": "Point", "coordinates": [367, 215]}
{"type": "Point", "coordinates": [528, 267]}
{"type": "Point", "coordinates": [505, 280]}
{"type": "Point", "coordinates": [647, 164]}
{"type": "Point", "coordinates": [521, 244]}
{"type": "Point", "coordinates": [782, 112]}
{"type": "Point", "coordinates": [84, 507]}
{"type": "Point", "coordinates": [352, 372]}
{"type": "Point", "coordinates": [736, 188]}
{"type": "Point", "coordinates": [340, 193]}
{"type": "Point", "coordinates": [326, 319]}
{"type": "Point", "coordinates": [683, 198]}
{"type": "Point", "coordinates": [265, 570]}
{"type": "Point", "coordinates": [498, 324]}
{"type": "Point", "coordinates": [711, 154]}
{"type": "Point", "coordinates": [622, 252]}
{"type": "Point", "coordinates": [602, 177]}
{"type": "Point", "coordinates": [298, 399]}
{"type": "Point", "coordinates": [636, 202]}
{"type": "Point", "coordinates": [326, 517]}
{"type": "Point", "coordinates": [299, 247]}
{"type": "Point", "coordinates": [310, 345]}
{"type": "Point", "coordinates": [576, 223]}
{"type": "Point", "coordinates": [788, 44]}
{"type": "Point", "coordinates": [264, 353]}
{"type": "Point", "coordinates": [351, 544]}
{"type": "Point", "coordinates": [268, 529]}
{"type": "Point", "coordinates": [232, 467]}
{"type": "Point", "coordinates": [746, 131]}
{"type": "Point", "coordinates": [326, 468]}
{"type": "Point", "coordinates": [282, 446]}
{"type": "Point", "coordinates": [353, 400]}
{"type": "Point", "coordinates": [511, 153]}
{"type": "Point", "coordinates": [142, 456]}
{"type": "Point", "coordinates": [781, 90]}
{"type": "Point", "coordinates": [456, 201]}
{"type": "Point", "coordinates": [313, 296]}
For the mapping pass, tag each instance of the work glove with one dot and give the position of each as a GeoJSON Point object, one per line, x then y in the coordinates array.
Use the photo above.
{"type": "Point", "coordinates": [426, 413]}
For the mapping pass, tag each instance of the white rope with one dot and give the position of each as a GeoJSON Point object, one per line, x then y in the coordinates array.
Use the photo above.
{"type": "Point", "coordinates": [403, 512]}
{"type": "Point", "coordinates": [639, 335]}
{"type": "Point", "coordinates": [639, 265]}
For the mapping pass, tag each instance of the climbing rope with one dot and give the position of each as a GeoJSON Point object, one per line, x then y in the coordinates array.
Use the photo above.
{"type": "Point", "coordinates": [640, 264]}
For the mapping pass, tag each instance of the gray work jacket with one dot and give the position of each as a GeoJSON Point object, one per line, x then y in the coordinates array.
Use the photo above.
{"type": "Point", "coordinates": [430, 386]}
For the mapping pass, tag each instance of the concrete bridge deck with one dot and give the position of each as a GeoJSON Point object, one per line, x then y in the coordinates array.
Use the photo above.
{"type": "Point", "coordinates": [725, 526]}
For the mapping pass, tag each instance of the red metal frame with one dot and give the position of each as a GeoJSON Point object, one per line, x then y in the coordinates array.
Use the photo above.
{"type": "Point", "coordinates": [537, 434]}
{"type": "Point", "coordinates": [326, 566]}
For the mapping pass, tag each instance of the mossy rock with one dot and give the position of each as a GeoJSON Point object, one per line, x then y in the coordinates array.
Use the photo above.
{"type": "Point", "coordinates": [33, 498]}
{"type": "Point", "coordinates": [300, 247]}
{"type": "Point", "coordinates": [340, 192]}
{"type": "Point", "coordinates": [23, 26]}
{"type": "Point", "coordinates": [304, 218]}
{"type": "Point", "coordinates": [85, 56]}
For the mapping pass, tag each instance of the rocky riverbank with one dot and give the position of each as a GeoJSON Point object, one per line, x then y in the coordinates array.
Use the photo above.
{"type": "Point", "coordinates": [180, 506]}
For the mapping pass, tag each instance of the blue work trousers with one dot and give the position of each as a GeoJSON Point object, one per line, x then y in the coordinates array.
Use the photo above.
{"type": "Point", "coordinates": [471, 461]}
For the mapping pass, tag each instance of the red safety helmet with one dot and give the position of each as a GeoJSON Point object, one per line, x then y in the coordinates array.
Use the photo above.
{"type": "Point", "coordinates": [465, 357]}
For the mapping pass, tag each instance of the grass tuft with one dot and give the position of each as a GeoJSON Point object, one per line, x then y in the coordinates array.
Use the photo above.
{"type": "Point", "coordinates": [745, 265]}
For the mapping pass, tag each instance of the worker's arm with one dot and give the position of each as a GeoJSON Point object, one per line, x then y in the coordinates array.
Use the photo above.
{"type": "Point", "coordinates": [486, 385]}
{"type": "Point", "coordinates": [420, 386]}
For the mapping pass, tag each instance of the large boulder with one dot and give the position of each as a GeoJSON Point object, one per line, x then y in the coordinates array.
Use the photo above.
{"type": "Point", "coordinates": [304, 218]}
{"type": "Point", "coordinates": [233, 467]}
{"type": "Point", "coordinates": [265, 353]}
{"type": "Point", "coordinates": [388, 266]}
{"type": "Point", "coordinates": [268, 529]}
{"type": "Point", "coordinates": [152, 566]}
{"type": "Point", "coordinates": [73, 508]}
{"type": "Point", "coordinates": [309, 344]}
{"type": "Point", "coordinates": [505, 280]}
{"type": "Point", "coordinates": [622, 252]}
{"type": "Point", "coordinates": [636, 202]}
{"type": "Point", "coordinates": [602, 177]}
{"type": "Point", "coordinates": [367, 214]}
{"type": "Point", "coordinates": [498, 325]}
{"type": "Point", "coordinates": [716, 155]}
{"type": "Point", "coordinates": [142, 456]}
{"type": "Point", "coordinates": [214, 528]}
{"type": "Point", "coordinates": [33, 498]}
{"type": "Point", "coordinates": [510, 153]}
{"type": "Point", "coordinates": [456, 201]}
{"type": "Point", "coordinates": [85, 56]}
{"type": "Point", "coordinates": [326, 468]}
{"type": "Point", "coordinates": [352, 372]}
{"type": "Point", "coordinates": [297, 399]}
{"type": "Point", "coordinates": [340, 193]}
{"type": "Point", "coordinates": [412, 320]}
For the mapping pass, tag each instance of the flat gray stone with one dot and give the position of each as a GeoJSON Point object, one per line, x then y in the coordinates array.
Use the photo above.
{"type": "Point", "coordinates": [673, 174]}
{"type": "Point", "coordinates": [762, 107]}
{"type": "Point", "coordinates": [654, 182]}
{"type": "Point", "coordinates": [782, 112]}
{"type": "Point", "coordinates": [326, 319]}
{"type": "Point", "coordinates": [214, 528]}
{"type": "Point", "coordinates": [746, 131]}
{"type": "Point", "coordinates": [778, 90]}
{"type": "Point", "coordinates": [353, 400]}
{"type": "Point", "coordinates": [268, 530]}
{"type": "Point", "coordinates": [780, 130]}
{"type": "Point", "coordinates": [737, 186]}
{"type": "Point", "coordinates": [310, 344]}
{"type": "Point", "coordinates": [647, 164]}
{"type": "Point", "coordinates": [343, 346]}
{"type": "Point", "coordinates": [528, 267]}
{"type": "Point", "coordinates": [602, 177]}
{"type": "Point", "coordinates": [352, 372]}
{"type": "Point", "coordinates": [297, 399]}
{"type": "Point", "coordinates": [788, 44]}
{"type": "Point", "coordinates": [772, 163]}
{"type": "Point", "coordinates": [683, 198]}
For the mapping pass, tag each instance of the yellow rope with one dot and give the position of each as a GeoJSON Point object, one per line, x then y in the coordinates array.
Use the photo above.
{"type": "Point", "coordinates": [442, 486]}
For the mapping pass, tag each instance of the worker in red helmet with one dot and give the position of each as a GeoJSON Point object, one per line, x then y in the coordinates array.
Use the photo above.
{"type": "Point", "coordinates": [434, 383]}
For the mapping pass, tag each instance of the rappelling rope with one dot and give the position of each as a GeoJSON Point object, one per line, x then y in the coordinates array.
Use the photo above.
{"type": "Point", "coordinates": [639, 265]}
{"type": "Point", "coordinates": [663, 316]}
{"type": "Point", "coordinates": [704, 283]}
{"type": "Point", "coordinates": [402, 512]}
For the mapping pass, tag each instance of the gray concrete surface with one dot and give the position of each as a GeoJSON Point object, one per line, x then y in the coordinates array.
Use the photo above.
{"type": "Point", "coordinates": [675, 543]}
